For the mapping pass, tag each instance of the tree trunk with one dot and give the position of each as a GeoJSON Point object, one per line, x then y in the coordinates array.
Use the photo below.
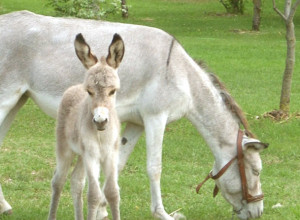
{"type": "Point", "coordinates": [288, 17]}
{"type": "Point", "coordinates": [287, 8]}
{"type": "Point", "coordinates": [124, 9]}
{"type": "Point", "coordinates": [256, 15]}
{"type": "Point", "coordinates": [289, 67]}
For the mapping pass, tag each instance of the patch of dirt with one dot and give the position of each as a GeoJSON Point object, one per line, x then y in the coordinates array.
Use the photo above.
{"type": "Point", "coordinates": [147, 19]}
{"type": "Point", "coordinates": [277, 115]}
{"type": "Point", "coordinates": [218, 14]}
{"type": "Point", "coordinates": [240, 31]}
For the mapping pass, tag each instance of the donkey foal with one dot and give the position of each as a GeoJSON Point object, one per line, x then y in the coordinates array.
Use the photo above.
{"type": "Point", "coordinates": [88, 126]}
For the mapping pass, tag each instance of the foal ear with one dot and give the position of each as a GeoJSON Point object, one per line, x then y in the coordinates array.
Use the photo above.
{"type": "Point", "coordinates": [253, 143]}
{"type": "Point", "coordinates": [115, 51]}
{"type": "Point", "coordinates": [83, 52]}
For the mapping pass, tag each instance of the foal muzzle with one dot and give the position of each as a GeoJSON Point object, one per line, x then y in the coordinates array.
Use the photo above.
{"type": "Point", "coordinates": [100, 118]}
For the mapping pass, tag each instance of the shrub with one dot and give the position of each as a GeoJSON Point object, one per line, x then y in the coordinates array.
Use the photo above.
{"type": "Point", "coordinates": [233, 6]}
{"type": "Point", "coordinates": [89, 9]}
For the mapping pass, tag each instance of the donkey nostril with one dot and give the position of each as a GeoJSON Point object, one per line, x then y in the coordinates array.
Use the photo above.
{"type": "Point", "coordinates": [105, 121]}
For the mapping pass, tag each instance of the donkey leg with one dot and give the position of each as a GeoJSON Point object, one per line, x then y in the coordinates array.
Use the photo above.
{"type": "Point", "coordinates": [59, 179]}
{"type": "Point", "coordinates": [130, 136]}
{"type": "Point", "coordinates": [111, 187]}
{"type": "Point", "coordinates": [4, 206]}
{"type": "Point", "coordinates": [6, 119]}
{"type": "Point", "coordinates": [77, 185]}
{"type": "Point", "coordinates": [154, 128]}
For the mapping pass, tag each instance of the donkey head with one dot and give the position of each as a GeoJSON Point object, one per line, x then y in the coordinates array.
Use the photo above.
{"type": "Point", "coordinates": [240, 185]}
{"type": "Point", "coordinates": [101, 80]}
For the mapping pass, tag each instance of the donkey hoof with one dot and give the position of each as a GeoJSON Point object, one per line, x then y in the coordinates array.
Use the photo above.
{"type": "Point", "coordinates": [8, 212]}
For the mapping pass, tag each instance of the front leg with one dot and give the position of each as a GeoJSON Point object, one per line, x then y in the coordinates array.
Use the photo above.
{"type": "Point", "coordinates": [154, 128]}
{"type": "Point", "coordinates": [95, 195]}
{"type": "Point", "coordinates": [111, 187]}
{"type": "Point", "coordinates": [77, 185]}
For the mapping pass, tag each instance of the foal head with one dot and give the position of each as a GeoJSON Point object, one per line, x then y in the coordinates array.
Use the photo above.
{"type": "Point", "coordinates": [101, 80]}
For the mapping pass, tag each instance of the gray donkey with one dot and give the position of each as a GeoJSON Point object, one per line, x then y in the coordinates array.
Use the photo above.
{"type": "Point", "coordinates": [88, 126]}
{"type": "Point", "coordinates": [161, 83]}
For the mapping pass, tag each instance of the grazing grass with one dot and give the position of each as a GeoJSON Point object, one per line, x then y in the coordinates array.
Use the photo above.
{"type": "Point", "coordinates": [250, 64]}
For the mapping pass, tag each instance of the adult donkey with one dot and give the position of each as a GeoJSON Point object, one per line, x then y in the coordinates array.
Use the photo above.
{"type": "Point", "coordinates": [160, 83]}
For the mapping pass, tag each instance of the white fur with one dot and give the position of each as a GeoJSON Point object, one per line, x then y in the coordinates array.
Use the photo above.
{"type": "Point", "coordinates": [101, 114]}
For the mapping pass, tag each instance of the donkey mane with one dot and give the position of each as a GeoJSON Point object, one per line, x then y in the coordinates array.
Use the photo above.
{"type": "Point", "coordinates": [228, 100]}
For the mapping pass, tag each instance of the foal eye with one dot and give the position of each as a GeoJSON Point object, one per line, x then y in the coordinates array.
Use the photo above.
{"type": "Point", "coordinates": [112, 92]}
{"type": "Point", "coordinates": [89, 92]}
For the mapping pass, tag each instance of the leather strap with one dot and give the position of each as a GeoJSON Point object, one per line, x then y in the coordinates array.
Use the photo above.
{"type": "Point", "coordinates": [240, 157]}
{"type": "Point", "coordinates": [241, 164]}
{"type": "Point", "coordinates": [218, 175]}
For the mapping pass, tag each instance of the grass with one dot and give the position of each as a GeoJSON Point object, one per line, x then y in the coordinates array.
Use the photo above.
{"type": "Point", "coordinates": [250, 64]}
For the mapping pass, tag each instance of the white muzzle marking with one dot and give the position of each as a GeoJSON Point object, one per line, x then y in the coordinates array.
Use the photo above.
{"type": "Point", "coordinates": [101, 114]}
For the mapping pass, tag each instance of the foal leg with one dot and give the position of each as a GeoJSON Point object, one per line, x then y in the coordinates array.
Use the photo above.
{"type": "Point", "coordinates": [77, 185]}
{"type": "Point", "coordinates": [95, 195]}
{"type": "Point", "coordinates": [64, 161]}
{"type": "Point", "coordinates": [154, 128]}
{"type": "Point", "coordinates": [130, 136]}
{"type": "Point", "coordinates": [111, 187]}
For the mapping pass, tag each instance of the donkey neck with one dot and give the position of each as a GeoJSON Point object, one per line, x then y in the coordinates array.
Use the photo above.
{"type": "Point", "coordinates": [210, 115]}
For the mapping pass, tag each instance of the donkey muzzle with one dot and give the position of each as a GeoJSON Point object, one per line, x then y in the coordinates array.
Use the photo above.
{"type": "Point", "coordinates": [101, 117]}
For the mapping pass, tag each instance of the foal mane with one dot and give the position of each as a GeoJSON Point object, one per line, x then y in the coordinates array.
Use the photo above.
{"type": "Point", "coordinates": [228, 100]}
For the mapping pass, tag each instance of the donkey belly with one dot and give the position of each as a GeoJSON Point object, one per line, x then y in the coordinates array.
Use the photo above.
{"type": "Point", "coordinates": [48, 103]}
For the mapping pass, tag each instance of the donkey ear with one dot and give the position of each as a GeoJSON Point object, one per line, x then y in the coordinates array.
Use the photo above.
{"type": "Point", "coordinates": [115, 51]}
{"type": "Point", "coordinates": [83, 52]}
{"type": "Point", "coordinates": [253, 143]}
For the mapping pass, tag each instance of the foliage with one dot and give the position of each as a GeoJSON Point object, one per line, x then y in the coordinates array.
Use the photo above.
{"type": "Point", "coordinates": [234, 6]}
{"type": "Point", "coordinates": [90, 9]}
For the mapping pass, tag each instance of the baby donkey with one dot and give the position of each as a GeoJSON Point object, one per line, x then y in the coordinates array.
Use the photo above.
{"type": "Point", "coordinates": [88, 126]}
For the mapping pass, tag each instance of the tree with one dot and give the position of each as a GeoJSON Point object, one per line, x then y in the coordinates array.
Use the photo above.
{"type": "Point", "coordinates": [288, 17]}
{"type": "Point", "coordinates": [256, 15]}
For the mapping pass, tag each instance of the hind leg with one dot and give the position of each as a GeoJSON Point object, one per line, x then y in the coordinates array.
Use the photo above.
{"type": "Point", "coordinates": [64, 160]}
{"type": "Point", "coordinates": [77, 185]}
{"type": "Point", "coordinates": [4, 206]}
{"type": "Point", "coordinates": [130, 136]}
{"type": "Point", "coordinates": [6, 118]}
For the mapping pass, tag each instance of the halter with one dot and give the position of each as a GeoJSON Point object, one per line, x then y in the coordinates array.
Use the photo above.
{"type": "Point", "coordinates": [240, 158]}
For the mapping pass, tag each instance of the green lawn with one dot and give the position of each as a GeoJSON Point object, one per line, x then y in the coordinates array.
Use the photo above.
{"type": "Point", "coordinates": [249, 63]}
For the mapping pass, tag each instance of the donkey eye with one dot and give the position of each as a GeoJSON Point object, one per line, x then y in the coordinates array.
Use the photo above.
{"type": "Point", "coordinates": [90, 93]}
{"type": "Point", "coordinates": [256, 172]}
{"type": "Point", "coordinates": [112, 92]}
